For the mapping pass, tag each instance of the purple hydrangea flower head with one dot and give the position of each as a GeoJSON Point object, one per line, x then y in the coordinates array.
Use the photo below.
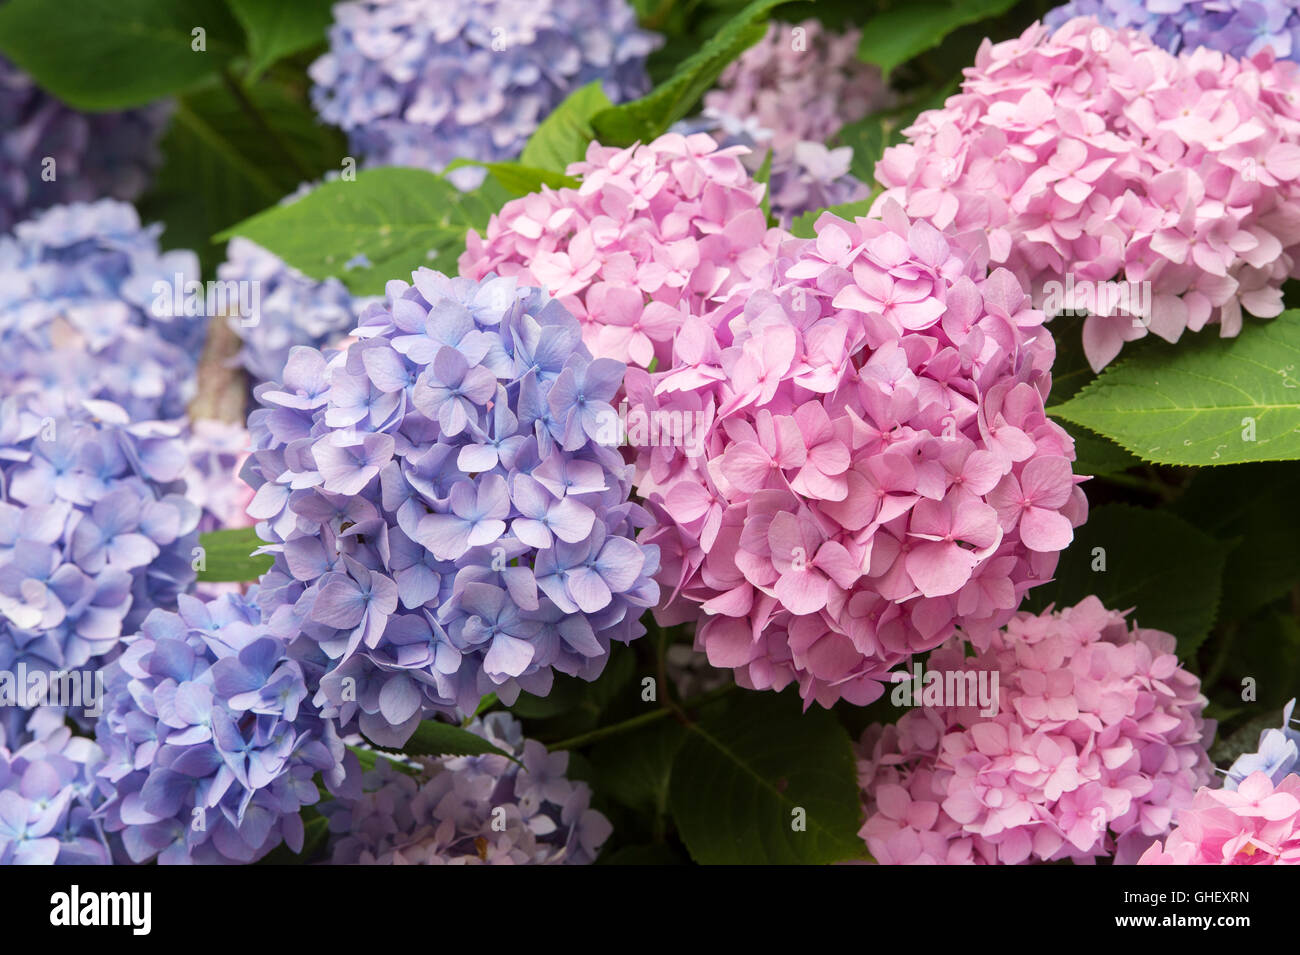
{"type": "Point", "coordinates": [87, 310]}
{"type": "Point", "coordinates": [448, 514]}
{"type": "Point", "coordinates": [95, 155]}
{"type": "Point", "coordinates": [1277, 754]}
{"type": "Point", "coordinates": [217, 450]}
{"type": "Point", "coordinates": [94, 531]}
{"type": "Point", "coordinates": [423, 82]}
{"type": "Point", "coordinates": [471, 810]}
{"type": "Point", "coordinates": [1240, 28]}
{"type": "Point", "coordinates": [47, 802]}
{"type": "Point", "coordinates": [211, 746]}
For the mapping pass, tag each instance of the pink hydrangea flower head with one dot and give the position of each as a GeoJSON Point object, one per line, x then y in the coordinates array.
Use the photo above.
{"type": "Point", "coordinates": [1097, 739]}
{"type": "Point", "coordinates": [852, 462]}
{"type": "Point", "coordinates": [1257, 824]}
{"type": "Point", "coordinates": [1089, 155]}
{"type": "Point", "coordinates": [656, 232]}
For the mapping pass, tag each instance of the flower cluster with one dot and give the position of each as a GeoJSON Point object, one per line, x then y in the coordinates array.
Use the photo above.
{"type": "Point", "coordinates": [1240, 28]}
{"type": "Point", "coordinates": [1276, 755]}
{"type": "Point", "coordinates": [1257, 823]}
{"type": "Point", "coordinates": [1089, 154]}
{"type": "Point", "coordinates": [88, 310]}
{"type": "Point", "coordinates": [292, 309]}
{"type": "Point", "coordinates": [868, 461]}
{"type": "Point", "coordinates": [1098, 738]}
{"type": "Point", "coordinates": [655, 233]}
{"type": "Point", "coordinates": [94, 531]}
{"type": "Point", "coordinates": [448, 512]}
{"type": "Point", "coordinates": [211, 744]}
{"type": "Point", "coordinates": [787, 95]}
{"type": "Point", "coordinates": [47, 802]}
{"type": "Point", "coordinates": [94, 155]}
{"type": "Point", "coordinates": [216, 453]}
{"type": "Point", "coordinates": [423, 82]}
{"type": "Point", "coordinates": [471, 810]}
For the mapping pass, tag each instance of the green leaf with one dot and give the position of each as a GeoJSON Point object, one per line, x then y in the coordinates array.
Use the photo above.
{"type": "Point", "coordinates": [1096, 456]}
{"type": "Point", "coordinates": [574, 705]}
{"type": "Point", "coordinates": [516, 178]}
{"type": "Point", "coordinates": [649, 117]}
{"type": "Point", "coordinates": [1204, 401]}
{"type": "Point", "coordinates": [635, 769]}
{"type": "Point", "coordinates": [745, 769]}
{"type": "Point", "coordinates": [764, 175]}
{"type": "Point", "coordinates": [433, 738]}
{"type": "Point", "coordinates": [384, 225]}
{"type": "Point", "coordinates": [895, 36]}
{"type": "Point", "coordinates": [113, 54]}
{"type": "Point", "coordinates": [563, 136]}
{"type": "Point", "coordinates": [221, 166]}
{"type": "Point", "coordinates": [277, 28]}
{"type": "Point", "coordinates": [803, 226]}
{"type": "Point", "coordinates": [227, 556]}
{"type": "Point", "coordinates": [1154, 561]}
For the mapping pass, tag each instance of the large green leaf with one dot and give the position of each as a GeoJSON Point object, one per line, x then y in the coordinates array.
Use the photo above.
{"type": "Point", "coordinates": [277, 28]}
{"type": "Point", "coordinates": [111, 54]}
{"type": "Point", "coordinates": [1154, 562]}
{"type": "Point", "coordinates": [895, 36]}
{"type": "Point", "coordinates": [636, 769]}
{"type": "Point", "coordinates": [220, 165]}
{"type": "Point", "coordinates": [432, 738]}
{"type": "Point", "coordinates": [650, 116]}
{"type": "Point", "coordinates": [747, 768]}
{"type": "Point", "coordinates": [383, 225]}
{"type": "Point", "coordinates": [563, 136]}
{"type": "Point", "coordinates": [228, 556]}
{"type": "Point", "coordinates": [1204, 401]}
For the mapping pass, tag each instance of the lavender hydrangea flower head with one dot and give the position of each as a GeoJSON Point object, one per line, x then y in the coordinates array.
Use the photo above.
{"type": "Point", "coordinates": [423, 82]}
{"type": "Point", "coordinates": [445, 815]}
{"type": "Point", "coordinates": [1277, 754]}
{"type": "Point", "coordinates": [47, 802]}
{"type": "Point", "coordinates": [211, 744]}
{"type": "Point", "coordinates": [217, 450]}
{"type": "Point", "coordinates": [84, 314]}
{"type": "Point", "coordinates": [94, 531]}
{"type": "Point", "coordinates": [1240, 28]}
{"type": "Point", "coordinates": [448, 513]}
{"type": "Point", "coordinates": [96, 155]}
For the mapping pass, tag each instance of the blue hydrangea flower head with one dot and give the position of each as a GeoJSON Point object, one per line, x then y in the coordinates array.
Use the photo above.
{"type": "Point", "coordinates": [1240, 28]}
{"type": "Point", "coordinates": [476, 810]}
{"type": "Point", "coordinates": [423, 82]}
{"type": "Point", "coordinates": [1277, 754]}
{"type": "Point", "coordinates": [47, 802]}
{"type": "Point", "coordinates": [95, 155]}
{"type": "Point", "coordinates": [82, 314]}
{"type": "Point", "coordinates": [448, 511]}
{"type": "Point", "coordinates": [211, 746]}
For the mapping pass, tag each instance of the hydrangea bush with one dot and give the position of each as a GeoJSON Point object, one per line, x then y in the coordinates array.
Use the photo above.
{"type": "Point", "coordinates": [447, 511]}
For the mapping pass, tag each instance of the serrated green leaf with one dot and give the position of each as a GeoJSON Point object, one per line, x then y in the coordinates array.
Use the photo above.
{"type": "Point", "coordinates": [277, 28]}
{"type": "Point", "coordinates": [563, 136]}
{"type": "Point", "coordinates": [745, 769]}
{"type": "Point", "coordinates": [227, 556]}
{"type": "Point", "coordinates": [649, 117]}
{"type": "Point", "coordinates": [895, 36]}
{"type": "Point", "coordinates": [383, 225]}
{"type": "Point", "coordinates": [1096, 456]}
{"type": "Point", "coordinates": [1155, 562]}
{"type": "Point", "coordinates": [1204, 401]}
{"type": "Point", "coordinates": [113, 54]}
{"type": "Point", "coordinates": [433, 738]}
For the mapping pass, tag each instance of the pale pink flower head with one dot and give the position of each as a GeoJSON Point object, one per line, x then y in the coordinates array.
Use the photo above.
{"type": "Point", "coordinates": [1090, 156]}
{"type": "Point", "coordinates": [867, 463]}
{"type": "Point", "coordinates": [1097, 739]}
{"type": "Point", "coordinates": [1257, 824]}
{"type": "Point", "coordinates": [655, 233]}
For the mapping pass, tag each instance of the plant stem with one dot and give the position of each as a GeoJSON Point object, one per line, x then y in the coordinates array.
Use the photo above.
{"type": "Point", "coordinates": [645, 719]}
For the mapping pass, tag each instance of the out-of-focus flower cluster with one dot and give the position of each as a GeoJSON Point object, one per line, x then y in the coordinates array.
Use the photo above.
{"type": "Point", "coordinates": [448, 511]}
{"type": "Point", "coordinates": [211, 742]}
{"type": "Point", "coordinates": [216, 453]}
{"type": "Point", "coordinates": [866, 462]}
{"type": "Point", "coordinates": [94, 155]}
{"type": "Point", "coordinates": [1092, 153]}
{"type": "Point", "coordinates": [1256, 823]}
{"type": "Point", "coordinates": [423, 82]}
{"type": "Point", "coordinates": [47, 802]}
{"type": "Point", "coordinates": [471, 810]}
{"type": "Point", "coordinates": [292, 309]}
{"type": "Point", "coordinates": [1276, 755]}
{"type": "Point", "coordinates": [1240, 28]}
{"type": "Point", "coordinates": [88, 309]}
{"type": "Point", "coordinates": [790, 93]}
{"type": "Point", "coordinates": [655, 233]}
{"type": "Point", "coordinates": [1098, 740]}
{"type": "Point", "coordinates": [94, 531]}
